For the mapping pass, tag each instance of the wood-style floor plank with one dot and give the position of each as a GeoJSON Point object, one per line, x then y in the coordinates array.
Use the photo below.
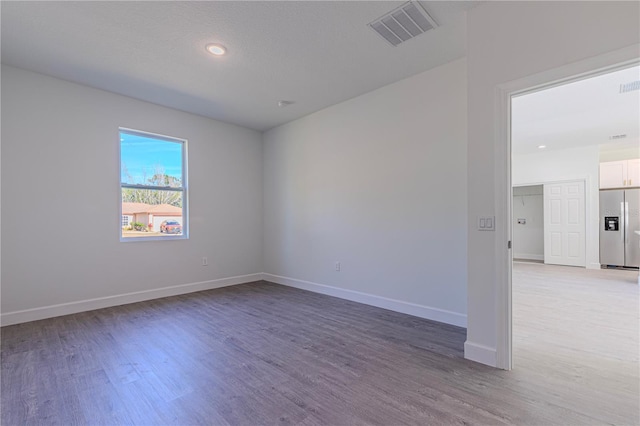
{"type": "Point", "coordinates": [261, 353]}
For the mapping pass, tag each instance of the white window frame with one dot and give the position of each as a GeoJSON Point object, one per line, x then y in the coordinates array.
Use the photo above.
{"type": "Point", "coordinates": [183, 189]}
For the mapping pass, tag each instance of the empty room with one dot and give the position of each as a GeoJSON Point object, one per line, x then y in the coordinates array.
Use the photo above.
{"type": "Point", "coordinates": [285, 212]}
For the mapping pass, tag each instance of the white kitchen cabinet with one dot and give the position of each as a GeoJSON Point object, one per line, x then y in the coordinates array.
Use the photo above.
{"type": "Point", "coordinates": [633, 172]}
{"type": "Point", "coordinates": [620, 174]}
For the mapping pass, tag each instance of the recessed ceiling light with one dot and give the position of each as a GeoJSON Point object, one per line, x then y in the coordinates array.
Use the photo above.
{"type": "Point", "coordinates": [216, 49]}
{"type": "Point", "coordinates": [542, 146]}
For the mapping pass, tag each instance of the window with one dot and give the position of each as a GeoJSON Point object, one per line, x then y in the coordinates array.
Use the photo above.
{"type": "Point", "coordinates": [152, 186]}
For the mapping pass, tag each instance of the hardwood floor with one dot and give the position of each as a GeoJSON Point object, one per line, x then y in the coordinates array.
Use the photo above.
{"type": "Point", "coordinates": [580, 328]}
{"type": "Point", "coordinates": [261, 353]}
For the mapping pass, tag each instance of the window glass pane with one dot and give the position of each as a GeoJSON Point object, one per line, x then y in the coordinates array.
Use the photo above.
{"type": "Point", "coordinates": [152, 213]}
{"type": "Point", "coordinates": [150, 160]}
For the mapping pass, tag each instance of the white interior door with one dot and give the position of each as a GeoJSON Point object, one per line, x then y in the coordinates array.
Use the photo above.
{"type": "Point", "coordinates": [564, 223]}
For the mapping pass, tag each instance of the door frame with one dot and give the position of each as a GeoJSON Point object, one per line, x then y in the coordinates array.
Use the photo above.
{"type": "Point", "coordinates": [591, 67]}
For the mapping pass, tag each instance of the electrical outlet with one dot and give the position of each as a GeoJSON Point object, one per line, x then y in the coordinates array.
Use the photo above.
{"type": "Point", "coordinates": [205, 261]}
{"type": "Point", "coordinates": [338, 266]}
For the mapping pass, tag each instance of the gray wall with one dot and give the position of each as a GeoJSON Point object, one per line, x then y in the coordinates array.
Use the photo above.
{"type": "Point", "coordinates": [377, 183]}
{"type": "Point", "coordinates": [528, 237]}
{"type": "Point", "coordinates": [60, 162]}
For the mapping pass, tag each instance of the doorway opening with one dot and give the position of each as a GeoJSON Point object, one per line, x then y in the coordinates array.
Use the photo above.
{"type": "Point", "coordinates": [504, 94]}
{"type": "Point", "coordinates": [527, 223]}
{"type": "Point", "coordinates": [566, 309]}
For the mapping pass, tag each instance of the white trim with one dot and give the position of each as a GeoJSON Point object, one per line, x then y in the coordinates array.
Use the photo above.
{"type": "Point", "coordinates": [427, 312]}
{"type": "Point", "coordinates": [503, 235]}
{"type": "Point", "coordinates": [16, 317]}
{"type": "Point", "coordinates": [593, 266]}
{"type": "Point", "coordinates": [527, 256]}
{"type": "Point", "coordinates": [480, 353]}
{"type": "Point", "coordinates": [590, 67]}
{"type": "Point", "coordinates": [184, 188]}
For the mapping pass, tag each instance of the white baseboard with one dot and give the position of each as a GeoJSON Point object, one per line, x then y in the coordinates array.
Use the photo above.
{"type": "Point", "coordinates": [593, 266]}
{"type": "Point", "coordinates": [34, 314]}
{"type": "Point", "coordinates": [427, 312]}
{"type": "Point", "coordinates": [528, 256]}
{"type": "Point", "coordinates": [480, 353]}
{"type": "Point", "coordinates": [421, 311]}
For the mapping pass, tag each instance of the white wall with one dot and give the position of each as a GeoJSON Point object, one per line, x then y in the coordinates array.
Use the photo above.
{"type": "Point", "coordinates": [508, 41]}
{"type": "Point", "coordinates": [528, 237]}
{"type": "Point", "coordinates": [377, 183]}
{"type": "Point", "coordinates": [620, 154]}
{"type": "Point", "coordinates": [60, 160]}
{"type": "Point", "coordinates": [561, 165]}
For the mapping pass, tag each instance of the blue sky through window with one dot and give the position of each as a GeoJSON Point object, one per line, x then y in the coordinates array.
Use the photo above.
{"type": "Point", "coordinates": [142, 156]}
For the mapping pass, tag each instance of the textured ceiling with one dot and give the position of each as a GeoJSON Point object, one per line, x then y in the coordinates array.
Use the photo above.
{"type": "Point", "coordinates": [585, 112]}
{"type": "Point", "coordinates": [314, 53]}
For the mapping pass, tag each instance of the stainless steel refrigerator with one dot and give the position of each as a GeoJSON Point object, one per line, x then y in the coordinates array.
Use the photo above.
{"type": "Point", "coordinates": [619, 219]}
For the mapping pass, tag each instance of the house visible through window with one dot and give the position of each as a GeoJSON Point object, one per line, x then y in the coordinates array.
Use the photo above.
{"type": "Point", "coordinates": [152, 186]}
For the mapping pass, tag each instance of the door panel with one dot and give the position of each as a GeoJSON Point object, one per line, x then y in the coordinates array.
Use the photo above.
{"type": "Point", "coordinates": [573, 215]}
{"type": "Point", "coordinates": [573, 245]}
{"type": "Point", "coordinates": [556, 212]}
{"type": "Point", "coordinates": [556, 244]}
{"type": "Point", "coordinates": [564, 223]}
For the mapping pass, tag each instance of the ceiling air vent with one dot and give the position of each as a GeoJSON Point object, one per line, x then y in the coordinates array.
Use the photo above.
{"type": "Point", "coordinates": [403, 23]}
{"type": "Point", "coordinates": [629, 87]}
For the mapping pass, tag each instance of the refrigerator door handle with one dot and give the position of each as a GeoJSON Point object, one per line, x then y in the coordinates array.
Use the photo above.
{"type": "Point", "coordinates": [623, 218]}
{"type": "Point", "coordinates": [626, 222]}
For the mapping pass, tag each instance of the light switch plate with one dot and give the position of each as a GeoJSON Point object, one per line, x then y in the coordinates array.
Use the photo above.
{"type": "Point", "coordinates": [486, 223]}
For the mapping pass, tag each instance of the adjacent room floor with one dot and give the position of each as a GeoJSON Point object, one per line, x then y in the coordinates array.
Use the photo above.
{"type": "Point", "coordinates": [262, 353]}
{"type": "Point", "coordinates": [579, 330]}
